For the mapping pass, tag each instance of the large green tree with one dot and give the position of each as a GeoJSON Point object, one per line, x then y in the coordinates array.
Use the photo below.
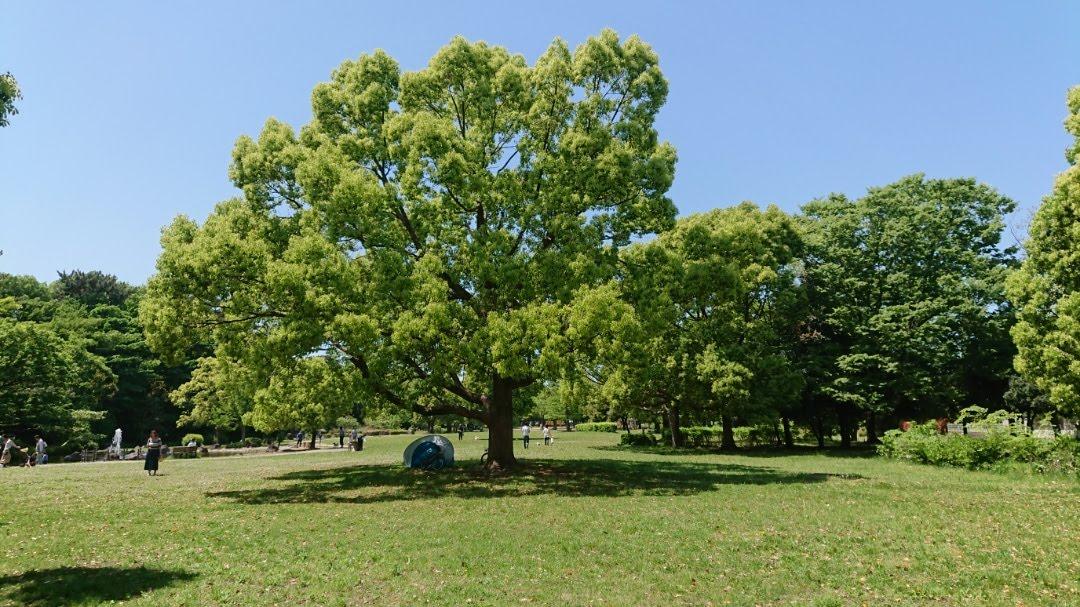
{"type": "Point", "coordinates": [903, 284]}
{"type": "Point", "coordinates": [428, 228]}
{"type": "Point", "coordinates": [1046, 289]}
{"type": "Point", "coordinates": [709, 299]}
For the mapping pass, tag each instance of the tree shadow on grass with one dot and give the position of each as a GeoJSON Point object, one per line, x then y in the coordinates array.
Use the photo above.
{"type": "Point", "coordinates": [85, 585]}
{"type": "Point", "coordinates": [567, 478]}
{"type": "Point", "coordinates": [859, 452]}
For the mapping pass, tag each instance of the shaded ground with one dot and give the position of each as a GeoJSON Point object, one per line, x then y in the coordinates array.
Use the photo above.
{"type": "Point", "coordinates": [85, 585]}
{"type": "Point", "coordinates": [563, 478]}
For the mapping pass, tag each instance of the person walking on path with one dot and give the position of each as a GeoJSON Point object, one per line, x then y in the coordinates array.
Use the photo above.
{"type": "Point", "coordinates": [525, 435]}
{"type": "Point", "coordinates": [341, 436]}
{"type": "Point", "coordinates": [547, 435]}
{"type": "Point", "coordinates": [299, 438]}
{"type": "Point", "coordinates": [39, 451]}
{"type": "Point", "coordinates": [153, 453]}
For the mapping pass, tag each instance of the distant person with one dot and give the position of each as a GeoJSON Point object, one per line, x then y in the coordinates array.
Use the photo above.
{"type": "Point", "coordinates": [525, 435]}
{"type": "Point", "coordinates": [341, 437]}
{"type": "Point", "coordinates": [9, 447]}
{"type": "Point", "coordinates": [460, 431]}
{"type": "Point", "coordinates": [352, 439]}
{"type": "Point", "coordinates": [299, 438]}
{"type": "Point", "coordinates": [547, 435]}
{"type": "Point", "coordinates": [153, 453]}
{"type": "Point", "coordinates": [318, 436]}
{"type": "Point", "coordinates": [117, 441]}
{"type": "Point", "coordinates": [360, 442]}
{"type": "Point", "coordinates": [40, 446]}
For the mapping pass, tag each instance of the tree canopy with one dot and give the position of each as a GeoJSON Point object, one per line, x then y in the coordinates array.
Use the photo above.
{"type": "Point", "coordinates": [431, 229]}
{"type": "Point", "coordinates": [902, 284]}
{"type": "Point", "coordinates": [1046, 289]}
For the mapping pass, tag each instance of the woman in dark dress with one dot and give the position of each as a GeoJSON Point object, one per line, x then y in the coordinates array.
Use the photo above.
{"type": "Point", "coordinates": [153, 453]}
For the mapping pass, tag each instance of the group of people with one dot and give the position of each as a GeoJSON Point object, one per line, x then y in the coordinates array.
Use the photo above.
{"type": "Point", "coordinates": [526, 430]}
{"type": "Point", "coordinates": [39, 457]}
{"type": "Point", "coordinates": [356, 439]}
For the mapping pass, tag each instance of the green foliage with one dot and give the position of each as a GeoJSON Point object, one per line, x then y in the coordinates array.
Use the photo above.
{"type": "Point", "coordinates": [80, 436]}
{"type": "Point", "coordinates": [905, 299]}
{"type": "Point", "coordinates": [433, 229]}
{"type": "Point", "coordinates": [96, 345]}
{"type": "Point", "coordinates": [347, 422]}
{"type": "Point", "coordinates": [1046, 289]}
{"type": "Point", "coordinates": [310, 394]}
{"type": "Point", "coordinates": [637, 440]}
{"type": "Point", "coordinates": [198, 438]}
{"type": "Point", "coordinates": [92, 288]}
{"type": "Point", "coordinates": [596, 427]}
{"type": "Point", "coordinates": [925, 445]}
{"type": "Point", "coordinates": [45, 377]}
{"type": "Point", "coordinates": [9, 94]}
{"type": "Point", "coordinates": [698, 334]}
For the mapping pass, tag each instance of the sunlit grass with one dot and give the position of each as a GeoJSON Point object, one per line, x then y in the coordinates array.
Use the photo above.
{"type": "Point", "coordinates": [584, 522]}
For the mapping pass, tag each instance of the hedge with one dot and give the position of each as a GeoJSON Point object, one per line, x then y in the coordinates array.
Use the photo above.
{"type": "Point", "coordinates": [925, 445]}
{"type": "Point", "coordinates": [597, 427]}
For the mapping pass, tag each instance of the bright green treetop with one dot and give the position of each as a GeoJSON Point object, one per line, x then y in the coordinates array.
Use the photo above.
{"type": "Point", "coordinates": [430, 228]}
{"type": "Point", "coordinates": [706, 297]}
{"type": "Point", "coordinates": [1046, 289]}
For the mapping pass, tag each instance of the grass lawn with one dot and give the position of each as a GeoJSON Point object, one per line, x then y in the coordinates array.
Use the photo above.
{"type": "Point", "coordinates": [583, 523]}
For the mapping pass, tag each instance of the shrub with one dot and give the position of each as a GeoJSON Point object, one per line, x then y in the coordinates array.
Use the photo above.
{"type": "Point", "coordinates": [198, 438]}
{"type": "Point", "coordinates": [252, 442]}
{"type": "Point", "coordinates": [1002, 445]}
{"type": "Point", "coordinates": [638, 440]}
{"type": "Point", "coordinates": [597, 427]}
{"type": "Point", "coordinates": [701, 436]}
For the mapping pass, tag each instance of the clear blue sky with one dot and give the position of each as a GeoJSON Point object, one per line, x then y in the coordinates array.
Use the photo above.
{"type": "Point", "coordinates": [131, 109]}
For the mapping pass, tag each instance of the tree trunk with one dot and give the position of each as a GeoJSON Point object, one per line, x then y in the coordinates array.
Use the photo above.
{"type": "Point", "coordinates": [677, 438]}
{"type": "Point", "coordinates": [312, 444]}
{"type": "Point", "coordinates": [871, 428]}
{"type": "Point", "coordinates": [243, 431]}
{"type": "Point", "coordinates": [789, 441]}
{"type": "Point", "coordinates": [727, 439]}
{"type": "Point", "coordinates": [500, 421]}
{"type": "Point", "coordinates": [819, 432]}
{"type": "Point", "coordinates": [844, 417]}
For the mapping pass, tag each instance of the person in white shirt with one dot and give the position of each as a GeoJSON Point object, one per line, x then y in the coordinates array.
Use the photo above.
{"type": "Point", "coordinates": [547, 435]}
{"type": "Point", "coordinates": [9, 446]}
{"type": "Point", "coordinates": [525, 435]}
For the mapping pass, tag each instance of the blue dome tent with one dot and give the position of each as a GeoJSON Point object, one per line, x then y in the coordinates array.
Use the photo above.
{"type": "Point", "coordinates": [431, 452]}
